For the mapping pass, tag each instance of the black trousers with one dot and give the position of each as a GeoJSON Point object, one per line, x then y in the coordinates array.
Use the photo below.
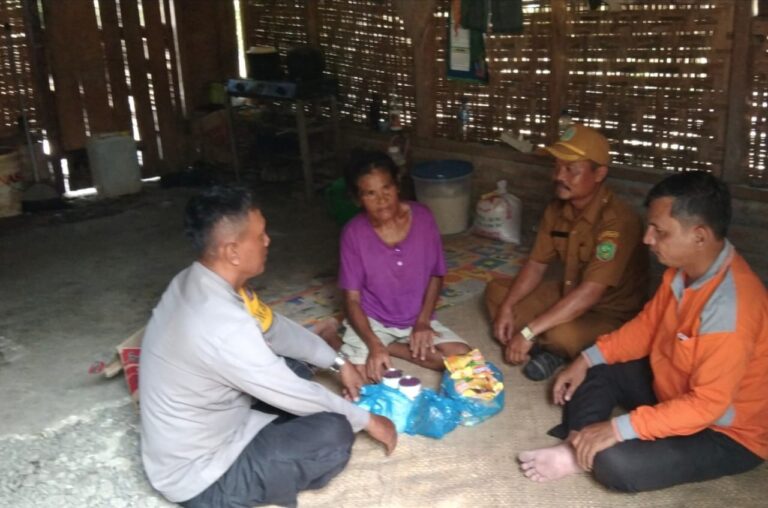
{"type": "Point", "coordinates": [291, 454]}
{"type": "Point", "coordinates": [637, 465]}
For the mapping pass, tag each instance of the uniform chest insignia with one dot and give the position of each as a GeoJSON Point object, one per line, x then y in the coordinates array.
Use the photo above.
{"type": "Point", "coordinates": [605, 250]}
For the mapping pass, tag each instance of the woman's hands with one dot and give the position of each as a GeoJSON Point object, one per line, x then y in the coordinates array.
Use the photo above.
{"type": "Point", "coordinates": [378, 361]}
{"type": "Point", "coordinates": [422, 340]}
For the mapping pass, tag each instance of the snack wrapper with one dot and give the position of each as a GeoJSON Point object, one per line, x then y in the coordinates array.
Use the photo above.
{"type": "Point", "coordinates": [472, 376]}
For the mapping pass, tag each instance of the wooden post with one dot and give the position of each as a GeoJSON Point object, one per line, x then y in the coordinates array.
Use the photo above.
{"type": "Point", "coordinates": [418, 18]}
{"type": "Point", "coordinates": [738, 88]}
{"type": "Point", "coordinates": [206, 54]}
{"type": "Point", "coordinates": [45, 106]}
{"type": "Point", "coordinates": [558, 77]}
{"type": "Point", "coordinates": [313, 23]}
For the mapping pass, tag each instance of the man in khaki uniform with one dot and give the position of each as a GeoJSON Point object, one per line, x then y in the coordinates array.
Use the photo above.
{"type": "Point", "coordinates": [598, 239]}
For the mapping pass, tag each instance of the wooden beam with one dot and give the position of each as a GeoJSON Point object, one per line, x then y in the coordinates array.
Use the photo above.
{"type": "Point", "coordinates": [418, 18]}
{"type": "Point", "coordinates": [45, 106]}
{"type": "Point", "coordinates": [113, 54]}
{"type": "Point", "coordinates": [733, 170]}
{"type": "Point", "coordinates": [137, 66]}
{"type": "Point", "coordinates": [168, 122]}
{"type": "Point", "coordinates": [207, 46]}
{"type": "Point", "coordinates": [558, 77]}
{"type": "Point", "coordinates": [313, 23]}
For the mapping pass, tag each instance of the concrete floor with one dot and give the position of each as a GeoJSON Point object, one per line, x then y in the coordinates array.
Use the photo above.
{"type": "Point", "coordinates": [75, 283]}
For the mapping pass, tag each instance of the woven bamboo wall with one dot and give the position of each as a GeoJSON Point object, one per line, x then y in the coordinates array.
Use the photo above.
{"type": "Point", "coordinates": [278, 23]}
{"type": "Point", "coordinates": [113, 64]}
{"type": "Point", "coordinates": [757, 111]}
{"type": "Point", "coordinates": [367, 49]}
{"type": "Point", "coordinates": [517, 95]}
{"type": "Point", "coordinates": [15, 70]}
{"type": "Point", "coordinates": [363, 41]}
{"type": "Point", "coordinates": [653, 77]}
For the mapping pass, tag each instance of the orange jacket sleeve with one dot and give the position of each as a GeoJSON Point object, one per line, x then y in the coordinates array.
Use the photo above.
{"type": "Point", "coordinates": [719, 362]}
{"type": "Point", "coordinates": [634, 339]}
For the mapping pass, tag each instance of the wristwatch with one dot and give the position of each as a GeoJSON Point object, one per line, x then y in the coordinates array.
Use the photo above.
{"type": "Point", "coordinates": [339, 362]}
{"type": "Point", "coordinates": [527, 333]}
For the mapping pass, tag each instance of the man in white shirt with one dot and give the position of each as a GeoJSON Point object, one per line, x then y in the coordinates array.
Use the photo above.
{"type": "Point", "coordinates": [206, 359]}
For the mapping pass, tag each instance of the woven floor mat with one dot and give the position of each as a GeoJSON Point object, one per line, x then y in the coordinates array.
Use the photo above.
{"type": "Point", "coordinates": [476, 466]}
{"type": "Point", "coordinates": [472, 261]}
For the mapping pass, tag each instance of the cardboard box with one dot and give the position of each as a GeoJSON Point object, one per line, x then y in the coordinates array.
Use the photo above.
{"type": "Point", "coordinates": [127, 360]}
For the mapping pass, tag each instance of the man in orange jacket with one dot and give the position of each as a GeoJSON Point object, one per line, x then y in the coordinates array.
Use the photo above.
{"type": "Point", "coordinates": [691, 368]}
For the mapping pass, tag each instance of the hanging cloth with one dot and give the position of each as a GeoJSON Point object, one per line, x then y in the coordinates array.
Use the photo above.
{"type": "Point", "coordinates": [507, 16]}
{"type": "Point", "coordinates": [474, 15]}
{"type": "Point", "coordinates": [595, 4]}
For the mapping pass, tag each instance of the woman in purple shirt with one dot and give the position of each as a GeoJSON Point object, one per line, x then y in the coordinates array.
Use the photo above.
{"type": "Point", "coordinates": [392, 269]}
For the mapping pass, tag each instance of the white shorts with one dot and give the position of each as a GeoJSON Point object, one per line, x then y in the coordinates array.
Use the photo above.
{"type": "Point", "coordinates": [357, 351]}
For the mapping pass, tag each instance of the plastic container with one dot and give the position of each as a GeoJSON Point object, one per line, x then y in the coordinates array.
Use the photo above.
{"type": "Point", "coordinates": [410, 386]}
{"type": "Point", "coordinates": [114, 164]}
{"type": "Point", "coordinates": [445, 187]}
{"type": "Point", "coordinates": [339, 203]}
{"type": "Point", "coordinates": [391, 378]}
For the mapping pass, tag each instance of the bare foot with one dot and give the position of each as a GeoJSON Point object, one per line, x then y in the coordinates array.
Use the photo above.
{"type": "Point", "coordinates": [547, 464]}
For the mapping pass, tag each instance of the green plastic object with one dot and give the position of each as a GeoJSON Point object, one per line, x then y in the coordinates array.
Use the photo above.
{"type": "Point", "coordinates": [340, 204]}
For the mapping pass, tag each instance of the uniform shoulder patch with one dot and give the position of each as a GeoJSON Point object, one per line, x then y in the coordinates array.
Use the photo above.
{"type": "Point", "coordinates": [606, 250]}
{"type": "Point", "coordinates": [608, 234]}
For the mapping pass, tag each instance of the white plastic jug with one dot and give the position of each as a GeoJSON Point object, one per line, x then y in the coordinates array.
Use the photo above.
{"type": "Point", "coordinates": [114, 164]}
{"type": "Point", "coordinates": [499, 214]}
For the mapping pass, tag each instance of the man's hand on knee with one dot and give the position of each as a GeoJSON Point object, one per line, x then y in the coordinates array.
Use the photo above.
{"type": "Point", "coordinates": [517, 350]}
{"type": "Point", "coordinates": [504, 325]}
{"type": "Point", "coordinates": [383, 431]}
{"type": "Point", "coordinates": [569, 380]}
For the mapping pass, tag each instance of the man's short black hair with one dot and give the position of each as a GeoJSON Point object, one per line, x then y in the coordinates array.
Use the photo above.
{"type": "Point", "coordinates": [698, 196]}
{"type": "Point", "coordinates": [207, 209]}
{"type": "Point", "coordinates": [364, 162]}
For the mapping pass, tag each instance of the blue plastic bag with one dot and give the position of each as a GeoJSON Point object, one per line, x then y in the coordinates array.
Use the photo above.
{"type": "Point", "coordinates": [473, 411]}
{"type": "Point", "coordinates": [433, 415]}
{"type": "Point", "coordinates": [385, 401]}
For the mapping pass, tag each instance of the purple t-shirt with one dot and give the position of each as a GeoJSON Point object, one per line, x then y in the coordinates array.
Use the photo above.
{"type": "Point", "coordinates": [392, 280]}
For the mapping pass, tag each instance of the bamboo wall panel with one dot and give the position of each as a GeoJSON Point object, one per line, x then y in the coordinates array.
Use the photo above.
{"type": "Point", "coordinates": [14, 82]}
{"type": "Point", "coordinates": [113, 64]}
{"type": "Point", "coordinates": [364, 43]}
{"type": "Point", "coordinates": [367, 49]}
{"type": "Point", "coordinates": [517, 95]}
{"type": "Point", "coordinates": [757, 112]}
{"type": "Point", "coordinates": [653, 77]}
{"type": "Point", "coordinates": [207, 48]}
{"type": "Point", "coordinates": [278, 23]}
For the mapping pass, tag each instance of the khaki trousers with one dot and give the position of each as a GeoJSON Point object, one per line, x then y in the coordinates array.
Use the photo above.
{"type": "Point", "coordinates": [567, 339]}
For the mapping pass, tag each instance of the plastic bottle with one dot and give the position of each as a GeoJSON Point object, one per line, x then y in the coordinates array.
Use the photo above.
{"type": "Point", "coordinates": [374, 112]}
{"type": "Point", "coordinates": [395, 115]}
{"type": "Point", "coordinates": [463, 118]}
{"type": "Point", "coordinates": [398, 150]}
{"type": "Point", "coordinates": [564, 121]}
